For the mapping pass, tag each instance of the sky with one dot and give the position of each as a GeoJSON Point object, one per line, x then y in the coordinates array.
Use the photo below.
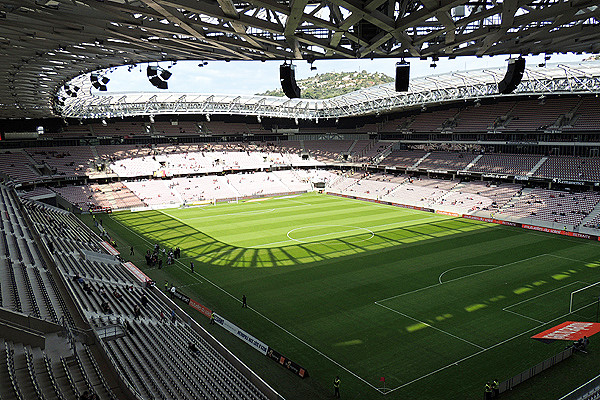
{"type": "Point", "coordinates": [251, 77]}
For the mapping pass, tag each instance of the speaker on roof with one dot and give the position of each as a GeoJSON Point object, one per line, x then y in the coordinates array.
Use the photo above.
{"type": "Point", "coordinates": [165, 75]}
{"type": "Point", "coordinates": [151, 71]}
{"type": "Point", "coordinates": [402, 76]}
{"type": "Point", "coordinates": [287, 76]}
{"type": "Point", "coordinates": [514, 74]}
{"type": "Point", "coordinates": [158, 76]}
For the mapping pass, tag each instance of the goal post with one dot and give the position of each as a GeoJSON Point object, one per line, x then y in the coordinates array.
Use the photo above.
{"type": "Point", "coordinates": [586, 297]}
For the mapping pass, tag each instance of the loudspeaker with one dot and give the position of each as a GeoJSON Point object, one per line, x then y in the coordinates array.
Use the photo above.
{"type": "Point", "coordinates": [158, 76]}
{"type": "Point", "coordinates": [402, 76]}
{"type": "Point", "coordinates": [514, 74]}
{"type": "Point", "coordinates": [288, 81]}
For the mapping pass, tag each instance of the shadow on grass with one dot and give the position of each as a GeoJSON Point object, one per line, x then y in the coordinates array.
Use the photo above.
{"type": "Point", "coordinates": [157, 227]}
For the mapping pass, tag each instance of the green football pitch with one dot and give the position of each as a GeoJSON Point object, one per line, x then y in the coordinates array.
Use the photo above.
{"type": "Point", "coordinates": [436, 305]}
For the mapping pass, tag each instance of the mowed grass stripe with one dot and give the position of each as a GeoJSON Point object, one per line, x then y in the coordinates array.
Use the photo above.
{"type": "Point", "coordinates": [278, 219]}
{"type": "Point", "coordinates": [274, 229]}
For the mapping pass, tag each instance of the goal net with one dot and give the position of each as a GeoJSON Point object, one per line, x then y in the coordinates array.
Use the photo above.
{"type": "Point", "coordinates": [585, 300]}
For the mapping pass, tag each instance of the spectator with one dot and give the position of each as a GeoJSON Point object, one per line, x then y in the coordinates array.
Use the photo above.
{"type": "Point", "coordinates": [193, 348]}
{"type": "Point", "coordinates": [106, 308]}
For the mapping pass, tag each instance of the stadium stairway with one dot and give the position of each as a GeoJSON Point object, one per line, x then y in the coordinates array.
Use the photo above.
{"type": "Point", "coordinates": [416, 165]}
{"type": "Point", "coordinates": [537, 166]}
{"type": "Point", "coordinates": [381, 156]}
{"type": "Point", "coordinates": [237, 193]}
{"type": "Point", "coordinates": [473, 162]}
{"type": "Point", "coordinates": [352, 146]}
{"type": "Point", "coordinates": [590, 217]}
{"type": "Point", "coordinates": [282, 182]}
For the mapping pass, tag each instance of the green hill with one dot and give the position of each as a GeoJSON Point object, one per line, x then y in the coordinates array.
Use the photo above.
{"type": "Point", "coordinates": [331, 84]}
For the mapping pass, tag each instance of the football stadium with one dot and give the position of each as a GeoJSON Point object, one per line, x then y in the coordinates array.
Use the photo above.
{"type": "Point", "coordinates": [432, 237]}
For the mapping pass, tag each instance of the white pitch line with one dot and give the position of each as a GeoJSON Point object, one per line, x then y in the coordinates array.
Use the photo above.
{"type": "Point", "coordinates": [354, 228]}
{"type": "Point", "coordinates": [475, 354]}
{"type": "Point", "coordinates": [465, 266]}
{"type": "Point", "coordinates": [493, 346]}
{"type": "Point", "coordinates": [523, 316]}
{"type": "Point", "coordinates": [253, 212]}
{"type": "Point", "coordinates": [409, 223]}
{"type": "Point", "coordinates": [262, 315]}
{"type": "Point", "coordinates": [460, 277]}
{"type": "Point", "coordinates": [567, 258]}
{"type": "Point", "coordinates": [535, 297]}
{"type": "Point", "coordinates": [430, 326]}
{"type": "Point", "coordinates": [542, 294]}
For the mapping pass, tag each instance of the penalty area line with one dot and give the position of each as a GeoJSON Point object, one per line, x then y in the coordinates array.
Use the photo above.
{"type": "Point", "coordinates": [477, 353]}
{"type": "Point", "coordinates": [460, 277]}
{"type": "Point", "coordinates": [431, 326]}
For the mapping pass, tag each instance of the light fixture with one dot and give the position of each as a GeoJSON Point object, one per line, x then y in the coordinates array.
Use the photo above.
{"type": "Point", "coordinates": [158, 76]}
{"type": "Point", "coordinates": [71, 91]}
{"type": "Point", "coordinates": [99, 82]}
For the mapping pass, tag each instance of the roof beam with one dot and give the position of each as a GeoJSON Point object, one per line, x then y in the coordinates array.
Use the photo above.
{"type": "Point", "coordinates": [170, 15]}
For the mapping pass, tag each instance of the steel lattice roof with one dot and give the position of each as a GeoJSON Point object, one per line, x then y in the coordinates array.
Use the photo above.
{"type": "Point", "coordinates": [581, 78]}
{"type": "Point", "coordinates": [45, 43]}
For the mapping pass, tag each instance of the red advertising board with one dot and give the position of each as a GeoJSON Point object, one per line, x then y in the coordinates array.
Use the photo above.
{"type": "Point", "coordinates": [449, 213]}
{"type": "Point", "coordinates": [142, 277]}
{"type": "Point", "coordinates": [204, 310]}
{"type": "Point", "coordinates": [111, 250]}
{"type": "Point", "coordinates": [570, 331]}
{"type": "Point", "coordinates": [559, 232]}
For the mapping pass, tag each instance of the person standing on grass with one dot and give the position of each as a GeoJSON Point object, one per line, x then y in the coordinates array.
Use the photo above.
{"type": "Point", "coordinates": [166, 286]}
{"type": "Point", "coordinates": [173, 291]}
{"type": "Point", "coordinates": [192, 266]}
{"type": "Point", "coordinates": [244, 305]}
{"type": "Point", "coordinates": [131, 252]}
{"type": "Point", "coordinates": [488, 391]}
{"type": "Point", "coordinates": [495, 389]}
{"type": "Point", "coordinates": [336, 387]}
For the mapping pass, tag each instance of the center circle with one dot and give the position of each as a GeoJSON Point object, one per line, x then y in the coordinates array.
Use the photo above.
{"type": "Point", "coordinates": [351, 230]}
